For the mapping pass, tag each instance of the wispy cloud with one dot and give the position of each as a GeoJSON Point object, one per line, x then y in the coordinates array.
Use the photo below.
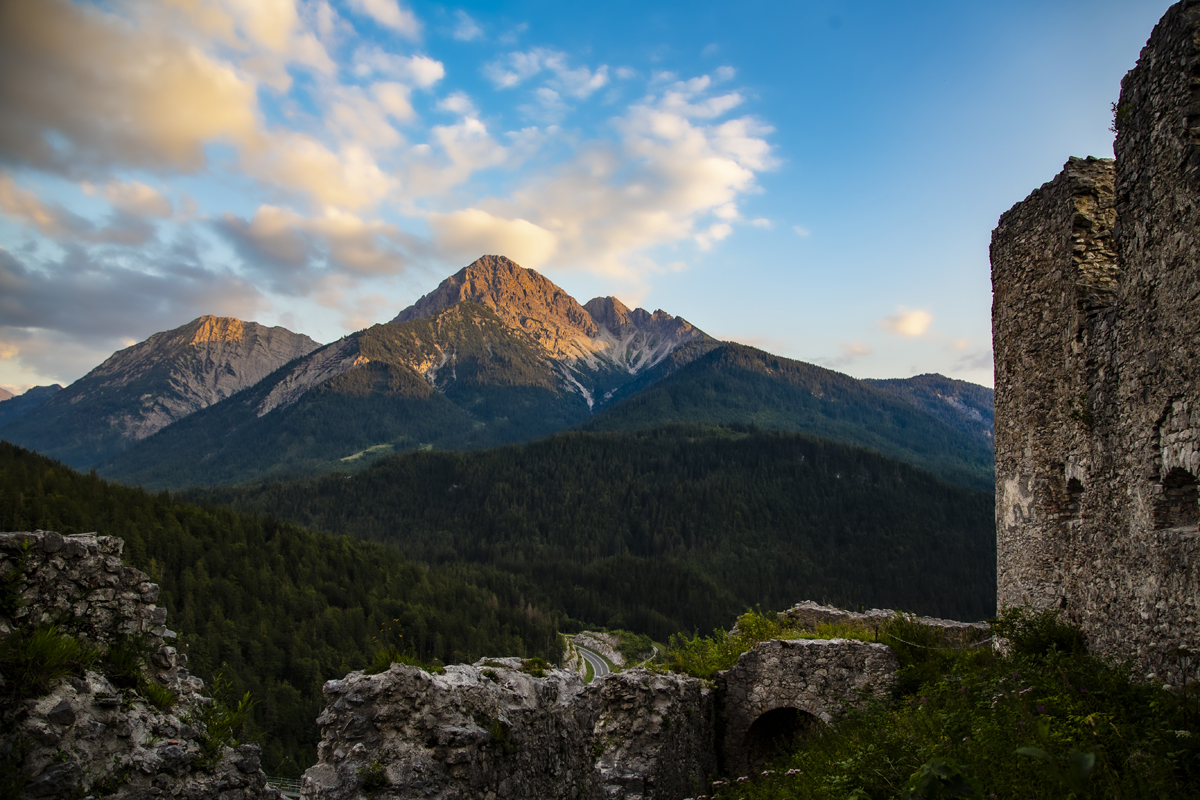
{"type": "Point", "coordinates": [909, 323]}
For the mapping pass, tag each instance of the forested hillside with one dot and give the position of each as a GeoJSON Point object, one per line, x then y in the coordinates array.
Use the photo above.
{"type": "Point", "coordinates": [277, 608]}
{"type": "Point", "coordinates": [671, 529]}
{"type": "Point", "coordinates": [735, 384]}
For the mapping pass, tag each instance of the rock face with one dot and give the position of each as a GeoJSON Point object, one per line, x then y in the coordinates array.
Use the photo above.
{"type": "Point", "coordinates": [596, 347]}
{"type": "Point", "coordinates": [86, 734]}
{"type": "Point", "coordinates": [1097, 344]}
{"type": "Point", "coordinates": [144, 388]}
{"type": "Point", "coordinates": [493, 730]}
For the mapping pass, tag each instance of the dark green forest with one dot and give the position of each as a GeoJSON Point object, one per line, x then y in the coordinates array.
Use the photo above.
{"type": "Point", "coordinates": [735, 384]}
{"type": "Point", "coordinates": [673, 529]}
{"type": "Point", "coordinates": [278, 609]}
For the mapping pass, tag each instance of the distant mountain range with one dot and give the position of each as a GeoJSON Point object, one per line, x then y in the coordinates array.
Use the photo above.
{"type": "Point", "coordinates": [142, 389]}
{"type": "Point", "coordinates": [19, 405]}
{"type": "Point", "coordinates": [495, 354]}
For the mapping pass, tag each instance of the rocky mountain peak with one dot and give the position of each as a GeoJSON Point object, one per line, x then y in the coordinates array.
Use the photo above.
{"type": "Point", "coordinates": [216, 329]}
{"type": "Point", "coordinates": [522, 298]}
{"type": "Point", "coordinates": [5, 394]}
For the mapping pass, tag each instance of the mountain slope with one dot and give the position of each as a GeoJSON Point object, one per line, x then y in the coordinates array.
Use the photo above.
{"type": "Point", "coordinates": [738, 384]}
{"type": "Point", "coordinates": [461, 379]}
{"type": "Point", "coordinates": [671, 529]}
{"type": "Point", "coordinates": [596, 348]}
{"type": "Point", "coordinates": [21, 404]}
{"type": "Point", "coordinates": [146, 387]}
{"type": "Point", "coordinates": [966, 407]}
{"type": "Point", "coordinates": [495, 354]}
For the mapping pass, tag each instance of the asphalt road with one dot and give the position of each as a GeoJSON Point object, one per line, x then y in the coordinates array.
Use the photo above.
{"type": "Point", "coordinates": [599, 665]}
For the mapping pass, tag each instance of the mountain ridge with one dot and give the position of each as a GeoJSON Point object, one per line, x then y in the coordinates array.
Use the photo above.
{"type": "Point", "coordinates": [148, 386]}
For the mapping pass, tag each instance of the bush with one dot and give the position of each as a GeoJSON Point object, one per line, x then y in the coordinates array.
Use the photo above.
{"type": "Point", "coordinates": [1037, 633]}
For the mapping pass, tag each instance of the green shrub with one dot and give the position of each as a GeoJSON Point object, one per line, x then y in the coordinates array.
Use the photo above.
{"type": "Point", "coordinates": [705, 656]}
{"type": "Point", "coordinates": [220, 721]}
{"type": "Point", "coordinates": [1046, 722]}
{"type": "Point", "coordinates": [32, 662]}
{"type": "Point", "coordinates": [1037, 633]}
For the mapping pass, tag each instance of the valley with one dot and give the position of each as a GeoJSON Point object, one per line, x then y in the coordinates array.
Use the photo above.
{"type": "Point", "coordinates": [496, 465]}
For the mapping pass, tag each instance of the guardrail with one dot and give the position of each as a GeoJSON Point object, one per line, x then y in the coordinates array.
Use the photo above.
{"type": "Point", "coordinates": [288, 787]}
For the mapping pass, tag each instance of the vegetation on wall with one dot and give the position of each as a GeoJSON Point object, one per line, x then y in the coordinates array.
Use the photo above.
{"type": "Point", "coordinates": [1046, 721]}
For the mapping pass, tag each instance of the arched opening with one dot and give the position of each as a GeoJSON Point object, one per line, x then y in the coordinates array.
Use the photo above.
{"type": "Point", "coordinates": [1177, 505]}
{"type": "Point", "coordinates": [774, 732]}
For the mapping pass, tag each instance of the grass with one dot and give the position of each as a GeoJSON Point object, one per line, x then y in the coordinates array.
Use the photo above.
{"type": "Point", "coordinates": [1046, 721]}
{"type": "Point", "coordinates": [33, 661]}
{"type": "Point", "coordinates": [705, 656]}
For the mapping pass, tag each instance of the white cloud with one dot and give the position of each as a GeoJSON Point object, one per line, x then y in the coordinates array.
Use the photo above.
{"type": "Point", "coordinates": [390, 14]}
{"type": "Point", "coordinates": [906, 322]}
{"type": "Point", "coordinates": [625, 73]}
{"type": "Point", "coordinates": [472, 232]}
{"type": "Point", "coordinates": [124, 226]}
{"type": "Point", "coordinates": [457, 103]}
{"type": "Point", "coordinates": [761, 222]}
{"type": "Point", "coordinates": [134, 197]}
{"type": "Point", "coordinates": [801, 231]}
{"type": "Point", "coordinates": [466, 29]}
{"type": "Point", "coordinates": [420, 71]}
{"type": "Point", "coordinates": [725, 73]}
{"type": "Point", "coordinates": [293, 252]}
{"type": "Point", "coordinates": [515, 68]}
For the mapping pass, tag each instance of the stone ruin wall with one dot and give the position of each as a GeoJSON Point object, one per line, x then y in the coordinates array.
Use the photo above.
{"type": "Point", "coordinates": [1096, 279]}
{"type": "Point", "coordinates": [495, 730]}
{"type": "Point", "coordinates": [87, 735]}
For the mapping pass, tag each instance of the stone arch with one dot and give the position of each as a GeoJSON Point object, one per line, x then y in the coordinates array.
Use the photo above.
{"type": "Point", "coordinates": [818, 678]}
{"type": "Point", "coordinates": [1177, 504]}
{"type": "Point", "coordinates": [773, 732]}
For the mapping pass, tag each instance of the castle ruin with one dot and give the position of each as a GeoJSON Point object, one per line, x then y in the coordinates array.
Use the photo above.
{"type": "Point", "coordinates": [1096, 329]}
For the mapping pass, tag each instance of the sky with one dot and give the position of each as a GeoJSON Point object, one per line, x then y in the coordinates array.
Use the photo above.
{"type": "Point", "coordinates": [817, 179]}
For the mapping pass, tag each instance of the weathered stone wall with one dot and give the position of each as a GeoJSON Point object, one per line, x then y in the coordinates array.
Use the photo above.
{"type": "Point", "coordinates": [491, 730]}
{"type": "Point", "coordinates": [87, 735]}
{"type": "Point", "coordinates": [1097, 341]}
{"type": "Point", "coordinates": [811, 615]}
{"type": "Point", "coordinates": [819, 678]}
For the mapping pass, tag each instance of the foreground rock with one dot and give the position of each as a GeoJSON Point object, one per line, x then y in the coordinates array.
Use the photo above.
{"type": "Point", "coordinates": [493, 730]}
{"type": "Point", "coordinates": [89, 733]}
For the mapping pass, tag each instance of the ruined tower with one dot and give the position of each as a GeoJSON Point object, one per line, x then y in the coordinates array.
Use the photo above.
{"type": "Point", "coordinates": [1096, 329]}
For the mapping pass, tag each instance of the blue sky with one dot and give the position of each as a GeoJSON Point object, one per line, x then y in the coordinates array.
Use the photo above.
{"type": "Point", "coordinates": [819, 179]}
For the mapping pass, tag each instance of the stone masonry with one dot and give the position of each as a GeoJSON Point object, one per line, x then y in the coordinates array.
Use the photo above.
{"type": "Point", "coordinates": [819, 678]}
{"type": "Point", "coordinates": [1096, 279]}
{"type": "Point", "coordinates": [494, 730]}
{"type": "Point", "coordinates": [87, 735]}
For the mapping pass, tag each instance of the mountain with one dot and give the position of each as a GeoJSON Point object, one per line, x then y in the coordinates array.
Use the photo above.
{"type": "Point", "coordinates": [144, 388]}
{"type": "Point", "coordinates": [496, 354]}
{"type": "Point", "coordinates": [966, 407]}
{"type": "Point", "coordinates": [21, 404]}
{"type": "Point", "coordinates": [5, 394]}
{"type": "Point", "coordinates": [596, 348]}
{"type": "Point", "coordinates": [737, 384]}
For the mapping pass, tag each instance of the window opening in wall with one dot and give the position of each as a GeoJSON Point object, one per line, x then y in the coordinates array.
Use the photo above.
{"type": "Point", "coordinates": [1074, 495]}
{"type": "Point", "coordinates": [1177, 506]}
{"type": "Point", "coordinates": [773, 733]}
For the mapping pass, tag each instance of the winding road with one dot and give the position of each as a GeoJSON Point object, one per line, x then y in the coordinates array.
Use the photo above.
{"type": "Point", "coordinates": [599, 665]}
